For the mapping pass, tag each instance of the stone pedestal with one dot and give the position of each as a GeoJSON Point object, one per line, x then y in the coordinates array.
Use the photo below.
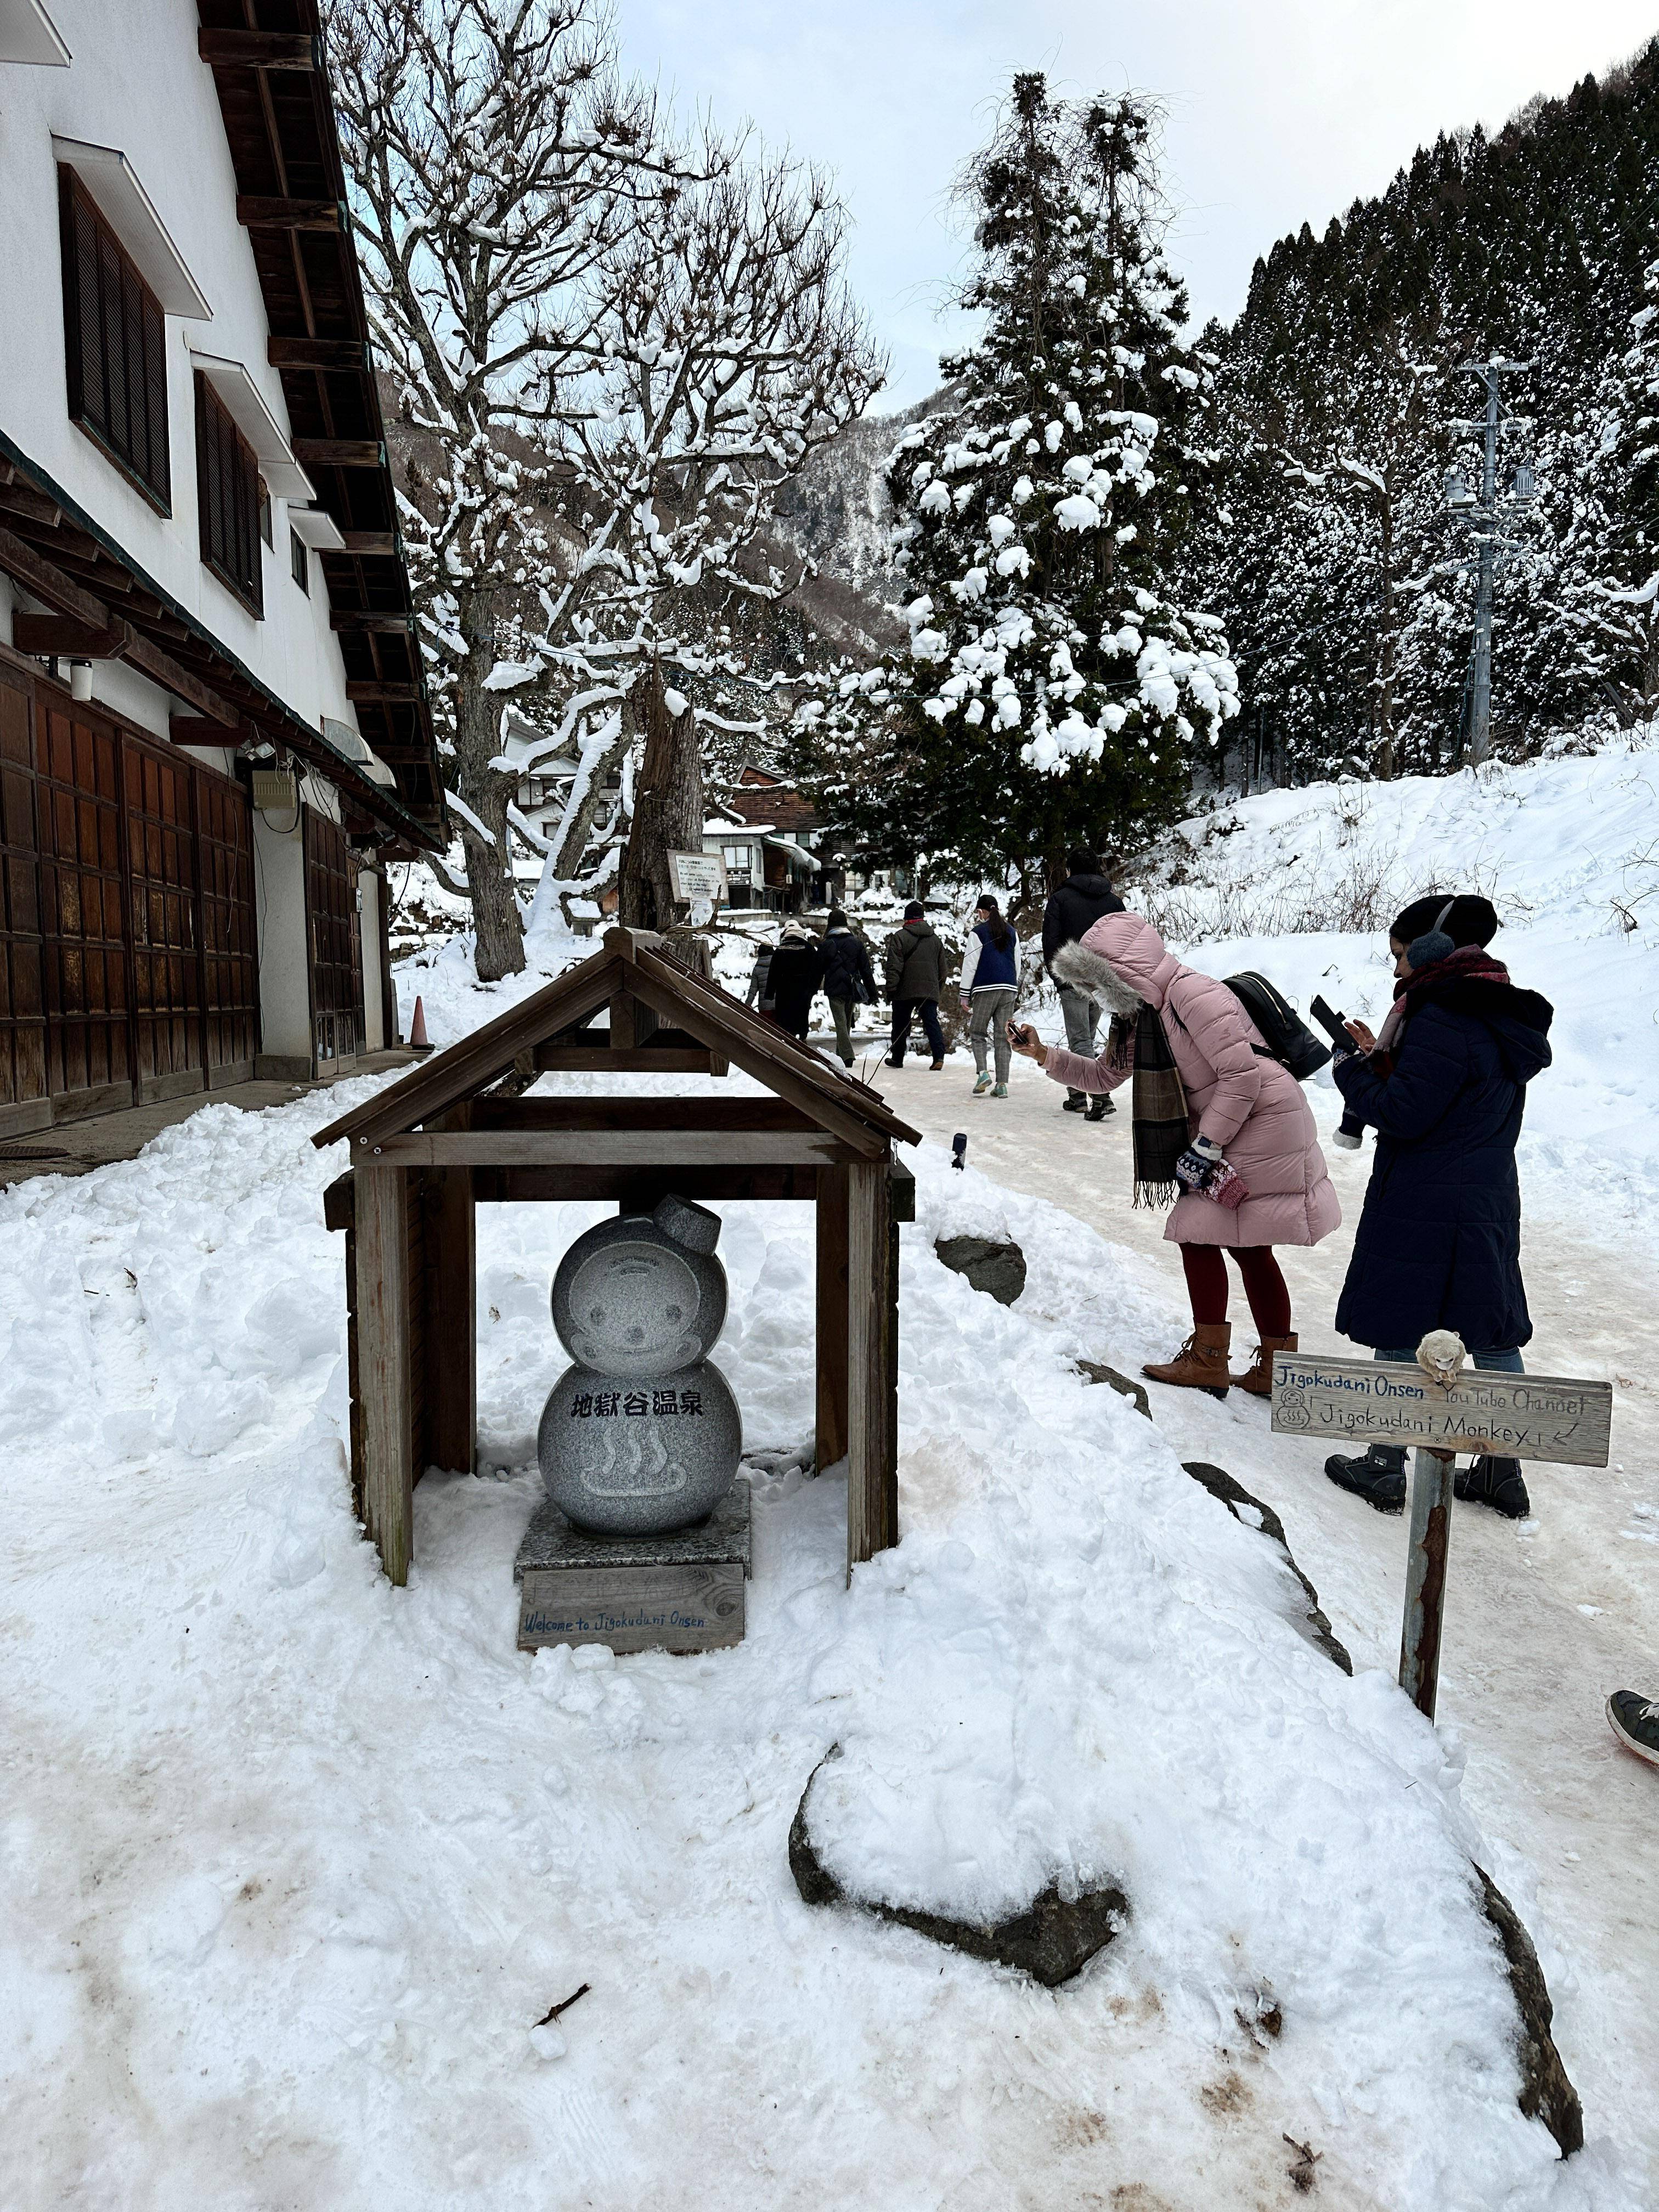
{"type": "Point", "coordinates": [681, 1592]}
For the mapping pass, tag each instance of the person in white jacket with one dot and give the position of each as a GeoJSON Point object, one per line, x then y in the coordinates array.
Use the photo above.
{"type": "Point", "coordinates": [989, 985]}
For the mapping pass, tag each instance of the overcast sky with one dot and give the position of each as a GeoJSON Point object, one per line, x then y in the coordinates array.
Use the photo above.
{"type": "Point", "coordinates": [1280, 110]}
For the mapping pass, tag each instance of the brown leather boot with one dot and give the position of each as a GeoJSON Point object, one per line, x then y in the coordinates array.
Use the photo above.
{"type": "Point", "coordinates": [1201, 1362]}
{"type": "Point", "coordinates": [1258, 1376]}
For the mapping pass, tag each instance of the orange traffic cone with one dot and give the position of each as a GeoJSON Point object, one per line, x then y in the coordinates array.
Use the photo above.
{"type": "Point", "coordinates": [418, 1039]}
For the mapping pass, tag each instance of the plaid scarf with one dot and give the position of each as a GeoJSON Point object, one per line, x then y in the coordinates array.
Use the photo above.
{"type": "Point", "coordinates": [1160, 1128]}
{"type": "Point", "coordinates": [1469, 963]}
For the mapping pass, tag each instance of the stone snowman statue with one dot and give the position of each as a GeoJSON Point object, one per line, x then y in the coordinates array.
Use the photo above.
{"type": "Point", "coordinates": [643, 1435]}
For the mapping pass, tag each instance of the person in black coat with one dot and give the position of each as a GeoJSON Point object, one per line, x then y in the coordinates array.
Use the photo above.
{"type": "Point", "coordinates": [1438, 1244]}
{"type": "Point", "coordinates": [797, 970]}
{"type": "Point", "coordinates": [1076, 906]}
{"type": "Point", "coordinates": [848, 979]}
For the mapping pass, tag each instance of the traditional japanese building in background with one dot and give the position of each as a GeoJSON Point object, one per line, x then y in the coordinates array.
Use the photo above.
{"type": "Point", "coordinates": [769, 836]}
{"type": "Point", "coordinates": [213, 725]}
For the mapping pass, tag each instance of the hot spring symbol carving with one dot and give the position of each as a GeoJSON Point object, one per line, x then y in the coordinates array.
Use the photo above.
{"type": "Point", "coordinates": [643, 1435]}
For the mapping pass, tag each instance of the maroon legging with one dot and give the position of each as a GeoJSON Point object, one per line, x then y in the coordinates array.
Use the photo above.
{"type": "Point", "coordinates": [1264, 1286]}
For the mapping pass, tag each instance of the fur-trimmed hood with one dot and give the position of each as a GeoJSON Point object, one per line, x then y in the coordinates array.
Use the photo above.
{"type": "Point", "coordinates": [1121, 961]}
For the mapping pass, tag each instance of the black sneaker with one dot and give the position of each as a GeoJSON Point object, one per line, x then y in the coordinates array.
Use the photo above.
{"type": "Point", "coordinates": [1379, 1478]}
{"type": "Point", "coordinates": [1494, 1482]}
{"type": "Point", "coordinates": [1075, 1102]}
{"type": "Point", "coordinates": [1098, 1109]}
{"type": "Point", "coordinates": [1634, 1720]}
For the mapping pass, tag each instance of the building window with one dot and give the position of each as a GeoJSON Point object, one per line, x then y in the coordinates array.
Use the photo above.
{"type": "Point", "coordinates": [267, 528]}
{"type": "Point", "coordinates": [739, 860]}
{"type": "Point", "coordinates": [298, 561]}
{"type": "Point", "coordinates": [115, 345]}
{"type": "Point", "coordinates": [228, 496]}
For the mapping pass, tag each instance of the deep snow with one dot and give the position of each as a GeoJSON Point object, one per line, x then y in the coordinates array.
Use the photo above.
{"type": "Point", "coordinates": [294, 1860]}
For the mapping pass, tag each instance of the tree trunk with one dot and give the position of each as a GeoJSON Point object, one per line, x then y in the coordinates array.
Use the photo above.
{"type": "Point", "coordinates": [498, 925]}
{"type": "Point", "coordinates": [668, 807]}
{"type": "Point", "coordinates": [1387, 644]}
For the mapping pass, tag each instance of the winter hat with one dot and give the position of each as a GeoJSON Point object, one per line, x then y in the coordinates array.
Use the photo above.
{"type": "Point", "coordinates": [793, 933]}
{"type": "Point", "coordinates": [915, 911]}
{"type": "Point", "coordinates": [1465, 917]}
{"type": "Point", "coordinates": [837, 919]}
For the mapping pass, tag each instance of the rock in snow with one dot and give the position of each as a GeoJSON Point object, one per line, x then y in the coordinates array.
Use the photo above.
{"type": "Point", "coordinates": [994, 1265]}
{"type": "Point", "coordinates": [1052, 1939]}
{"type": "Point", "coordinates": [1255, 1515]}
{"type": "Point", "coordinates": [1135, 1392]}
{"type": "Point", "coordinates": [1546, 2094]}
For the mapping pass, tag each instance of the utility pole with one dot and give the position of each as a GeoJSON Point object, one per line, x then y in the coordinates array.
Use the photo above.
{"type": "Point", "coordinates": [1485, 518]}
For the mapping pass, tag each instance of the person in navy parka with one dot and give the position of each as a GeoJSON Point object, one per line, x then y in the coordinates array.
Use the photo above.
{"type": "Point", "coordinates": [1438, 1244]}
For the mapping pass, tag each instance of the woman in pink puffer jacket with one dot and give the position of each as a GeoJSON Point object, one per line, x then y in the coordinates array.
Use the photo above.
{"type": "Point", "coordinates": [1244, 1112]}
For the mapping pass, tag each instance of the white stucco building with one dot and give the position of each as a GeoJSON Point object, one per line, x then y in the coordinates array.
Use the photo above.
{"type": "Point", "coordinates": [213, 725]}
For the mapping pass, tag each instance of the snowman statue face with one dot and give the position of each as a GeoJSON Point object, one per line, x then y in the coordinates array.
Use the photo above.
{"type": "Point", "coordinates": [634, 1310]}
{"type": "Point", "coordinates": [642, 1434]}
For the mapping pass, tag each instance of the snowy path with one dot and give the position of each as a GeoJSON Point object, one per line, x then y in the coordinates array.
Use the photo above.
{"type": "Point", "coordinates": [1543, 1619]}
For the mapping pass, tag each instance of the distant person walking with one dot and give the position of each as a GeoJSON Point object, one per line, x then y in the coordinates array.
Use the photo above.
{"type": "Point", "coordinates": [989, 985]}
{"type": "Point", "coordinates": [1072, 910]}
{"type": "Point", "coordinates": [759, 994]}
{"type": "Point", "coordinates": [1438, 1244]}
{"type": "Point", "coordinates": [796, 971]}
{"type": "Point", "coordinates": [849, 979]}
{"type": "Point", "coordinates": [1212, 1115]}
{"type": "Point", "coordinates": [914, 962]}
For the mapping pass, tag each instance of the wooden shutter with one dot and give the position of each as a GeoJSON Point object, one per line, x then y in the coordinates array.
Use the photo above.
{"type": "Point", "coordinates": [228, 492]}
{"type": "Point", "coordinates": [23, 1100]}
{"type": "Point", "coordinates": [115, 346]}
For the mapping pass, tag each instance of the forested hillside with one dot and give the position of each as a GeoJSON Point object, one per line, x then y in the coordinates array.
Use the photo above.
{"type": "Point", "coordinates": [1341, 578]}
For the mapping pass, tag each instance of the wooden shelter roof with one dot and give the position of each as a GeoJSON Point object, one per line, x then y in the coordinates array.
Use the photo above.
{"type": "Point", "coordinates": [641, 966]}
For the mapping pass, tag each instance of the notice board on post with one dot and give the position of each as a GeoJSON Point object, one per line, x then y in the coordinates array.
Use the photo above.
{"type": "Point", "coordinates": [1373, 1401]}
{"type": "Point", "coordinates": [694, 876]}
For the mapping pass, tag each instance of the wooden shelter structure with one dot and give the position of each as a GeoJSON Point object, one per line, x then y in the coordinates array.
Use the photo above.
{"type": "Point", "coordinates": [455, 1132]}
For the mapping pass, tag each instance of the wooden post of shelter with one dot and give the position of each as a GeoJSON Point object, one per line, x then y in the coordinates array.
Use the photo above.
{"type": "Point", "coordinates": [872, 1442]}
{"type": "Point", "coordinates": [449, 1222]}
{"type": "Point", "coordinates": [426, 1150]}
{"type": "Point", "coordinates": [833, 1310]}
{"type": "Point", "coordinates": [384, 1365]}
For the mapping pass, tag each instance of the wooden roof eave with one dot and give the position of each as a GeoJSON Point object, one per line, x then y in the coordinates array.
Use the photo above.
{"type": "Point", "coordinates": [278, 115]}
{"type": "Point", "coordinates": [162, 644]}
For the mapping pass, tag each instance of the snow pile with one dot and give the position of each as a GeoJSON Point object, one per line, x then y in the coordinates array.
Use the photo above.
{"type": "Point", "coordinates": [295, 1862]}
{"type": "Point", "coordinates": [1301, 884]}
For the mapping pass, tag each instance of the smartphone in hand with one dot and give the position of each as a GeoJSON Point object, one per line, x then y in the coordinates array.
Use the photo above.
{"type": "Point", "coordinates": [1020, 1033]}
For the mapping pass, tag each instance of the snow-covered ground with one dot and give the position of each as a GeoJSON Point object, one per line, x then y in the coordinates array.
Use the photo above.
{"type": "Point", "coordinates": [294, 1860]}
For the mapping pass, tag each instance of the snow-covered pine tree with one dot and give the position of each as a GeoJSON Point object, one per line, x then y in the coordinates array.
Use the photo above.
{"type": "Point", "coordinates": [1606, 579]}
{"type": "Point", "coordinates": [1053, 690]}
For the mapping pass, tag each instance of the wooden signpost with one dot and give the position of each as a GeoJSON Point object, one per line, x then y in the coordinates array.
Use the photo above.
{"type": "Point", "coordinates": [1355, 1402]}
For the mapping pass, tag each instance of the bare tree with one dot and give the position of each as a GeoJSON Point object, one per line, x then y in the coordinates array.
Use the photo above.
{"type": "Point", "coordinates": [495, 159]}
{"type": "Point", "coordinates": [619, 347]}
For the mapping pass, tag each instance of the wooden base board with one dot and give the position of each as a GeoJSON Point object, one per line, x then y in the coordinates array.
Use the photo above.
{"type": "Point", "coordinates": [681, 1592]}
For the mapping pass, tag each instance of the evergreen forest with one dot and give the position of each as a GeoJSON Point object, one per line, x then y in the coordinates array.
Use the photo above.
{"type": "Point", "coordinates": [1342, 575]}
